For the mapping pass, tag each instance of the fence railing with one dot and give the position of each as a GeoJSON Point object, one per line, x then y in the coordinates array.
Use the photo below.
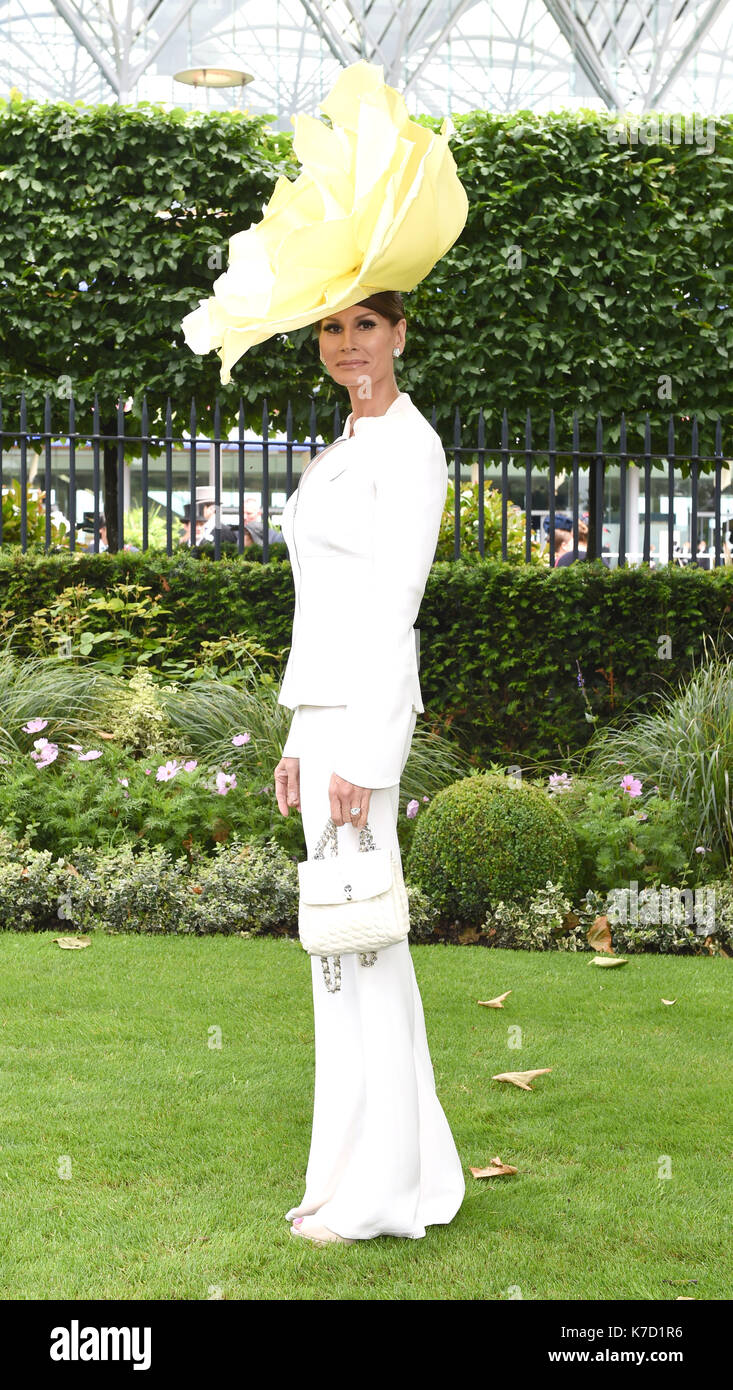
{"type": "Point", "coordinates": [511, 461]}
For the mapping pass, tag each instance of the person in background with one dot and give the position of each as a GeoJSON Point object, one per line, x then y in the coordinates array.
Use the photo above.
{"type": "Point", "coordinates": [87, 525]}
{"type": "Point", "coordinates": [564, 538]}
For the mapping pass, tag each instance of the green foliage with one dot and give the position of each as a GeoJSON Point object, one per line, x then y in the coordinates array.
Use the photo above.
{"type": "Point", "coordinates": [550, 923]}
{"type": "Point", "coordinates": [116, 799]}
{"type": "Point", "coordinates": [541, 925]}
{"type": "Point", "coordinates": [586, 268]}
{"type": "Point", "coordinates": [157, 528]}
{"type": "Point", "coordinates": [501, 645]}
{"type": "Point", "coordinates": [32, 885]}
{"type": "Point", "coordinates": [75, 701]}
{"type": "Point", "coordinates": [685, 746]}
{"type": "Point", "coordinates": [241, 888]}
{"type": "Point", "coordinates": [503, 648]}
{"type": "Point", "coordinates": [489, 838]}
{"type": "Point", "coordinates": [621, 838]}
{"type": "Point", "coordinates": [35, 517]}
{"type": "Point", "coordinates": [142, 726]}
{"type": "Point", "coordinates": [469, 527]}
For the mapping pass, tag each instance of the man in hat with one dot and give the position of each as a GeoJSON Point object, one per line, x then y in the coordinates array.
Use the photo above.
{"type": "Point", "coordinates": [88, 525]}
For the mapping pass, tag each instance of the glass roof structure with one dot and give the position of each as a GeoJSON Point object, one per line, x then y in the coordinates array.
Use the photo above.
{"type": "Point", "coordinates": [446, 56]}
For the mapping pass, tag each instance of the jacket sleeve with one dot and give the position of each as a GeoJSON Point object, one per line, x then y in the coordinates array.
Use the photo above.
{"type": "Point", "coordinates": [410, 477]}
{"type": "Point", "coordinates": [290, 747]}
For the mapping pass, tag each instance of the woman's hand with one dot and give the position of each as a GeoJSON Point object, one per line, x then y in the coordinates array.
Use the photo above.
{"type": "Point", "coordinates": [287, 784]}
{"type": "Point", "coordinates": [342, 796]}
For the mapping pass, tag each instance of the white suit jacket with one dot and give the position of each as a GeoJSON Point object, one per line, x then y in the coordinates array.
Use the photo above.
{"type": "Point", "coordinates": [361, 531]}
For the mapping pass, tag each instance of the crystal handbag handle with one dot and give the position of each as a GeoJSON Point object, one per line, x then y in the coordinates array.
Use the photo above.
{"type": "Point", "coordinates": [366, 839]}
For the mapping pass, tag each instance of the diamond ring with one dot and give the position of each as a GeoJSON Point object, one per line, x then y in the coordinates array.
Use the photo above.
{"type": "Point", "coordinates": [355, 810]}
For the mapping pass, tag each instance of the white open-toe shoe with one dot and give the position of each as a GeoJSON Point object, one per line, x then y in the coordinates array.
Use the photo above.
{"type": "Point", "coordinates": [320, 1235]}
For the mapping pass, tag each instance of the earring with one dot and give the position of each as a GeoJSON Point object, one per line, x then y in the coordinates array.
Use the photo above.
{"type": "Point", "coordinates": [396, 352]}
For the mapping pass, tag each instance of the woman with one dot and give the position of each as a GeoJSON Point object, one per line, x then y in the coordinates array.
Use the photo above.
{"type": "Point", "coordinates": [361, 530]}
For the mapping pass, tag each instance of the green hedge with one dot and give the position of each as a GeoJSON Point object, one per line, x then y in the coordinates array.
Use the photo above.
{"type": "Point", "coordinates": [499, 643]}
{"type": "Point", "coordinates": [587, 271]}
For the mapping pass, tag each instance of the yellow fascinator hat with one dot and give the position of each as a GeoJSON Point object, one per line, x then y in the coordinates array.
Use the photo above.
{"type": "Point", "coordinates": [377, 203]}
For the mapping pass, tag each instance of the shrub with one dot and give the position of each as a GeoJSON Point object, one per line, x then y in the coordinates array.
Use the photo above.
{"type": "Point", "coordinates": [424, 915]}
{"type": "Point", "coordinates": [31, 888]}
{"type": "Point", "coordinates": [245, 887]}
{"type": "Point", "coordinates": [684, 747]}
{"type": "Point", "coordinates": [622, 837]}
{"type": "Point", "coordinates": [542, 926]}
{"type": "Point", "coordinates": [489, 838]}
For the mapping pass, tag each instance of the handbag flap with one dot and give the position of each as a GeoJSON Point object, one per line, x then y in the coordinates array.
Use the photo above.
{"type": "Point", "coordinates": [344, 878]}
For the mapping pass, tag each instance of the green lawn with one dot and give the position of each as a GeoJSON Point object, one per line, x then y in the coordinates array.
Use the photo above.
{"type": "Point", "coordinates": [184, 1158]}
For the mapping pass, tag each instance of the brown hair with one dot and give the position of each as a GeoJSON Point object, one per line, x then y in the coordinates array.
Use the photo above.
{"type": "Point", "coordinates": [386, 302]}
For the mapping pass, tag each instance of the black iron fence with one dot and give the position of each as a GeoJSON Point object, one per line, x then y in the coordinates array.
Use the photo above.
{"type": "Point", "coordinates": [663, 517]}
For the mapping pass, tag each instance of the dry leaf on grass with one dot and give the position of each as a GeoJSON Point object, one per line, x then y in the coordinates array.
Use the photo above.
{"type": "Point", "coordinates": [669, 1001]}
{"type": "Point", "coordinates": [496, 1169]}
{"type": "Point", "coordinates": [71, 943]}
{"type": "Point", "coordinates": [521, 1078]}
{"type": "Point", "coordinates": [497, 1003]}
{"type": "Point", "coordinates": [599, 936]}
{"type": "Point", "coordinates": [470, 936]}
{"type": "Point", "coordinates": [608, 960]}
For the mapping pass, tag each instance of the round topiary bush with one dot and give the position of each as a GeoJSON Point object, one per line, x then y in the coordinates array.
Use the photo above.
{"type": "Point", "coordinates": [489, 839]}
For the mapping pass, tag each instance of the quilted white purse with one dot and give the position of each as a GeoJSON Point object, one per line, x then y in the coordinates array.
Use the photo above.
{"type": "Point", "coordinates": [350, 904]}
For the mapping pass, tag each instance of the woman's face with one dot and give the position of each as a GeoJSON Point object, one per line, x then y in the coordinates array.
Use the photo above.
{"type": "Point", "coordinates": [357, 346]}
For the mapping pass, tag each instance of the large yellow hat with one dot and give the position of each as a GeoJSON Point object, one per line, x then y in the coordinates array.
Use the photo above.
{"type": "Point", "coordinates": [377, 203]}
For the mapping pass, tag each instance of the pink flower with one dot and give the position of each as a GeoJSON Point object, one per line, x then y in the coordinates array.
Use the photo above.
{"type": "Point", "coordinates": [239, 739]}
{"type": "Point", "coordinates": [124, 781]}
{"type": "Point", "coordinates": [75, 747]}
{"type": "Point", "coordinates": [167, 770]}
{"type": "Point", "coordinates": [631, 784]}
{"type": "Point", "coordinates": [224, 782]}
{"type": "Point", "coordinates": [412, 809]}
{"type": "Point", "coordinates": [190, 765]}
{"type": "Point", "coordinates": [702, 849]}
{"type": "Point", "coordinates": [426, 798]}
{"type": "Point", "coordinates": [34, 726]}
{"type": "Point", "coordinates": [87, 757]}
{"type": "Point", "coordinates": [148, 771]}
{"type": "Point", "coordinates": [559, 782]}
{"type": "Point", "coordinates": [45, 752]}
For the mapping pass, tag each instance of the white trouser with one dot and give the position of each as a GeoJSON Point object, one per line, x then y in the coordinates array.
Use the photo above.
{"type": "Point", "coordinates": [382, 1159]}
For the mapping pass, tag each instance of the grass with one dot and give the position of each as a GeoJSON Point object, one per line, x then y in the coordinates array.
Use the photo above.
{"type": "Point", "coordinates": [185, 1156]}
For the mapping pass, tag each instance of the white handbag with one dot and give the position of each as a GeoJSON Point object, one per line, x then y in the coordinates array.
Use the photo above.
{"type": "Point", "coordinates": [350, 904]}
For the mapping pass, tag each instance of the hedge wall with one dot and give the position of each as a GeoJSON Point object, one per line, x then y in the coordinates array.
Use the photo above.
{"type": "Point", "coordinates": [499, 643]}
{"type": "Point", "coordinates": [590, 274]}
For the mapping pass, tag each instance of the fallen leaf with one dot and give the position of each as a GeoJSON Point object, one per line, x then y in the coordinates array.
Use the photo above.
{"type": "Point", "coordinates": [72, 943]}
{"type": "Point", "coordinates": [607, 960]}
{"type": "Point", "coordinates": [669, 1001]}
{"type": "Point", "coordinates": [469, 936]}
{"type": "Point", "coordinates": [497, 1003]}
{"type": "Point", "coordinates": [105, 736]}
{"type": "Point", "coordinates": [496, 1169]}
{"type": "Point", "coordinates": [520, 1078]}
{"type": "Point", "coordinates": [599, 936]}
